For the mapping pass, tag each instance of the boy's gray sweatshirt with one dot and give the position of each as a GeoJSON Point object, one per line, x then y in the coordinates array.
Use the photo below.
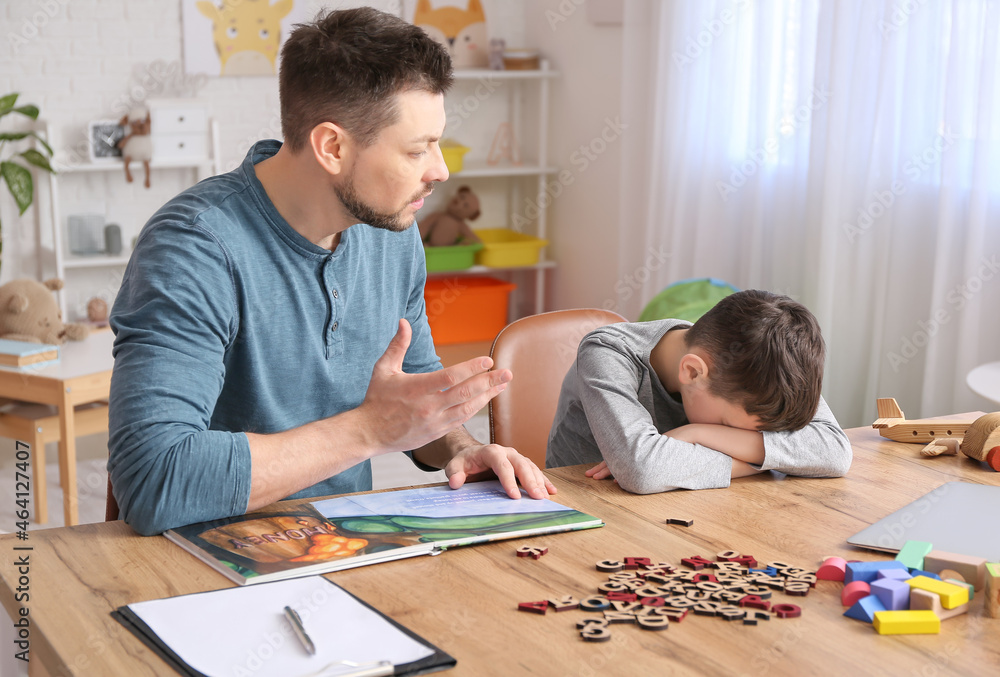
{"type": "Point", "coordinates": [613, 407]}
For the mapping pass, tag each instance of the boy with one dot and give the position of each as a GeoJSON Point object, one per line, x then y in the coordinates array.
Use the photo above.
{"type": "Point", "coordinates": [670, 405]}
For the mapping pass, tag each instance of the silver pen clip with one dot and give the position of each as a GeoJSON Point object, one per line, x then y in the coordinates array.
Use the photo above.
{"type": "Point", "coordinates": [300, 630]}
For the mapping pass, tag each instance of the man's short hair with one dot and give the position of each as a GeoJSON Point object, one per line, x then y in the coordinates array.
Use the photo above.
{"type": "Point", "coordinates": [766, 354]}
{"type": "Point", "coordinates": [347, 67]}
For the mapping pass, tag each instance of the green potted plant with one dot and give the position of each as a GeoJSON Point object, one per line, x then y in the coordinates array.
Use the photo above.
{"type": "Point", "coordinates": [14, 174]}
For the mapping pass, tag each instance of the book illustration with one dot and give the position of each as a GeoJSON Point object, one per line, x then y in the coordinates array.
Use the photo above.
{"type": "Point", "coordinates": [354, 530]}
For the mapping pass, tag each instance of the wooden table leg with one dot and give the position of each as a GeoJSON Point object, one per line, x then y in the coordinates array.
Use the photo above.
{"type": "Point", "coordinates": [38, 465]}
{"type": "Point", "coordinates": [67, 459]}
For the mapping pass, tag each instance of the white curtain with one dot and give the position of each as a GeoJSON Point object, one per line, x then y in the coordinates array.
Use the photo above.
{"type": "Point", "coordinates": [846, 153]}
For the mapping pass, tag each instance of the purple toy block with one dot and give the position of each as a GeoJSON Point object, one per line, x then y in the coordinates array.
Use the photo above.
{"type": "Point", "coordinates": [893, 594]}
{"type": "Point", "coordinates": [896, 574]}
{"type": "Point", "coordinates": [864, 609]}
{"type": "Point", "coordinates": [867, 571]}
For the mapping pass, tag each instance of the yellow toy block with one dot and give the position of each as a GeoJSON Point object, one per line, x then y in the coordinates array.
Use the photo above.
{"type": "Point", "coordinates": [907, 623]}
{"type": "Point", "coordinates": [951, 595]}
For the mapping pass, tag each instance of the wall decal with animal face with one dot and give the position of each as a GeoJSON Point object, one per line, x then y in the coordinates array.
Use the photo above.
{"type": "Point", "coordinates": [462, 31]}
{"type": "Point", "coordinates": [236, 37]}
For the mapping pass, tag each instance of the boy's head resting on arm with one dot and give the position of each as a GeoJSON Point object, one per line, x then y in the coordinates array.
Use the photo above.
{"type": "Point", "coordinates": [755, 361]}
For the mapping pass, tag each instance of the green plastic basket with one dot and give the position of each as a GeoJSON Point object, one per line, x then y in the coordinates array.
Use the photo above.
{"type": "Point", "coordinates": [457, 257]}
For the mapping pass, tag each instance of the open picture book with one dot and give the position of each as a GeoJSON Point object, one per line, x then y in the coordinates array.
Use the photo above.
{"type": "Point", "coordinates": [352, 531]}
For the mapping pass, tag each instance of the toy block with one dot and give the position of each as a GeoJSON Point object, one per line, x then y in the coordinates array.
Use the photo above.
{"type": "Point", "coordinates": [653, 622]}
{"type": "Point", "coordinates": [730, 567]}
{"type": "Point", "coordinates": [758, 590]}
{"type": "Point", "coordinates": [972, 569]}
{"type": "Point", "coordinates": [854, 591]}
{"type": "Point", "coordinates": [534, 607]}
{"type": "Point", "coordinates": [698, 595]}
{"type": "Point", "coordinates": [706, 608]}
{"type": "Point", "coordinates": [767, 571]}
{"type": "Point", "coordinates": [651, 601]}
{"type": "Point", "coordinates": [779, 566]}
{"type": "Point", "coordinates": [696, 562]}
{"type": "Point", "coordinates": [747, 561]}
{"type": "Point", "coordinates": [609, 565]}
{"type": "Point", "coordinates": [727, 556]}
{"type": "Point", "coordinates": [894, 574]}
{"type": "Point", "coordinates": [993, 458]}
{"type": "Point", "coordinates": [926, 574]}
{"type": "Point", "coordinates": [992, 603]}
{"type": "Point", "coordinates": [731, 612]}
{"type": "Point", "coordinates": [787, 610]}
{"type": "Point", "coordinates": [705, 578]}
{"type": "Point", "coordinates": [625, 607]}
{"type": "Point", "coordinates": [632, 563]}
{"type": "Point", "coordinates": [809, 579]}
{"type": "Point", "coordinates": [868, 571]}
{"type": "Point", "coordinates": [865, 608]}
{"type": "Point", "coordinates": [907, 623]}
{"type": "Point", "coordinates": [532, 552]}
{"type": "Point", "coordinates": [951, 595]}
{"type": "Point", "coordinates": [912, 554]}
{"type": "Point", "coordinates": [833, 569]}
{"type": "Point", "coordinates": [623, 576]}
{"type": "Point", "coordinates": [922, 600]}
{"type": "Point", "coordinates": [755, 602]}
{"type": "Point", "coordinates": [591, 622]}
{"type": "Point", "coordinates": [894, 595]}
{"type": "Point", "coordinates": [613, 586]}
{"type": "Point", "coordinates": [565, 604]}
{"type": "Point", "coordinates": [960, 582]}
{"type": "Point", "coordinates": [595, 603]}
{"type": "Point", "coordinates": [754, 615]}
{"type": "Point", "coordinates": [675, 615]}
{"type": "Point", "coordinates": [680, 521]}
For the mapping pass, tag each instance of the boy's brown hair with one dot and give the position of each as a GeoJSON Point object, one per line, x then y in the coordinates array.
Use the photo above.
{"type": "Point", "coordinates": [766, 355]}
{"type": "Point", "coordinates": [347, 67]}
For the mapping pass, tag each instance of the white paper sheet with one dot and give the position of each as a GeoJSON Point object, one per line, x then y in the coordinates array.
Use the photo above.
{"type": "Point", "coordinates": [243, 631]}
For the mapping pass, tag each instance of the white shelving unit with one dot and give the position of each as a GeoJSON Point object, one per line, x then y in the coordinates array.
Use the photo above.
{"type": "Point", "coordinates": [64, 260]}
{"type": "Point", "coordinates": [535, 162]}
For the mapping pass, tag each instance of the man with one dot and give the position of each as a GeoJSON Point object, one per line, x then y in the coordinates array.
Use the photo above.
{"type": "Point", "coordinates": [270, 329]}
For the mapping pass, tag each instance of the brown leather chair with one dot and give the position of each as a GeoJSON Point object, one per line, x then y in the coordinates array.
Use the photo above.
{"type": "Point", "coordinates": [539, 350]}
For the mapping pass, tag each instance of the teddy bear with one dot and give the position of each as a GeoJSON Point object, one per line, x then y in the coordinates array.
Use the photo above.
{"type": "Point", "coordinates": [137, 144]}
{"type": "Point", "coordinates": [447, 228]}
{"type": "Point", "coordinates": [29, 312]}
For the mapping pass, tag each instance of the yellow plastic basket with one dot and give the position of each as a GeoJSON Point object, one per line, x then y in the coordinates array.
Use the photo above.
{"type": "Point", "coordinates": [504, 248]}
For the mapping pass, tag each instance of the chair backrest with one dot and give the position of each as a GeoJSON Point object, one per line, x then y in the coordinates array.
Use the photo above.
{"type": "Point", "coordinates": [111, 507]}
{"type": "Point", "coordinates": [539, 350]}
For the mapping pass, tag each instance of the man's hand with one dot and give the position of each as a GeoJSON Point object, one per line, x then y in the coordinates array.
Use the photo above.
{"type": "Point", "coordinates": [600, 471]}
{"type": "Point", "coordinates": [508, 465]}
{"type": "Point", "coordinates": [406, 411]}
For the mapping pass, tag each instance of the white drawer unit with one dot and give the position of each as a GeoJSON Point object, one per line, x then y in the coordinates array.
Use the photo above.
{"type": "Point", "coordinates": [179, 129]}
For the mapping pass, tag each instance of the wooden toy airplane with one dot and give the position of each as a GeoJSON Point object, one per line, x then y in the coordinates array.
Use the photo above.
{"type": "Point", "coordinates": [892, 423]}
{"type": "Point", "coordinates": [977, 438]}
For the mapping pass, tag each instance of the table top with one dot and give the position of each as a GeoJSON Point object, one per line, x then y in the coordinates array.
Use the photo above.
{"type": "Point", "coordinates": [984, 380]}
{"type": "Point", "coordinates": [465, 600]}
{"type": "Point", "coordinates": [76, 358]}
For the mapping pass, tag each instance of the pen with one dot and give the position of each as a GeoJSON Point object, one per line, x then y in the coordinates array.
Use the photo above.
{"type": "Point", "coordinates": [300, 631]}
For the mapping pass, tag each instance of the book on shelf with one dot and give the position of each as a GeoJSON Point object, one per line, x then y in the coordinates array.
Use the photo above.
{"type": "Point", "coordinates": [26, 353]}
{"type": "Point", "coordinates": [360, 529]}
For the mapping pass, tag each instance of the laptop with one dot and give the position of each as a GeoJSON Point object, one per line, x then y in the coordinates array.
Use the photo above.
{"type": "Point", "coordinates": [958, 517]}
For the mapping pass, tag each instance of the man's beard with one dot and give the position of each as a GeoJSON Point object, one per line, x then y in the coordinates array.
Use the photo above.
{"type": "Point", "coordinates": [365, 213]}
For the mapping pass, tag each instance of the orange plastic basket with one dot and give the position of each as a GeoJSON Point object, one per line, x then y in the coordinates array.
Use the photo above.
{"type": "Point", "coordinates": [466, 309]}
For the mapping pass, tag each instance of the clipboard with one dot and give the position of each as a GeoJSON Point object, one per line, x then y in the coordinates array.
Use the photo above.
{"type": "Point", "coordinates": [261, 644]}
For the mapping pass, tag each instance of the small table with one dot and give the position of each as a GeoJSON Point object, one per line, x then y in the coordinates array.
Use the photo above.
{"type": "Point", "coordinates": [82, 375]}
{"type": "Point", "coordinates": [985, 380]}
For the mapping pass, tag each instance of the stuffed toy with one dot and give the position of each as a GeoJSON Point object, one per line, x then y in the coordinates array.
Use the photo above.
{"type": "Point", "coordinates": [448, 228]}
{"type": "Point", "coordinates": [461, 31]}
{"type": "Point", "coordinates": [29, 312]}
{"type": "Point", "coordinates": [137, 144]}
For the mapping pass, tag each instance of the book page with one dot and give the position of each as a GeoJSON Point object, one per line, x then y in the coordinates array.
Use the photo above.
{"type": "Point", "coordinates": [243, 631]}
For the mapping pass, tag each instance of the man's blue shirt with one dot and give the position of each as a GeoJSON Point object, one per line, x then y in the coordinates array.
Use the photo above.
{"type": "Point", "coordinates": [228, 321]}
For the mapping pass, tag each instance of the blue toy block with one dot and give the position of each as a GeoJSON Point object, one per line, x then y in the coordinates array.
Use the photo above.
{"type": "Point", "coordinates": [895, 574]}
{"type": "Point", "coordinates": [868, 571]}
{"type": "Point", "coordinates": [916, 572]}
{"type": "Point", "coordinates": [769, 571]}
{"type": "Point", "coordinates": [865, 608]}
{"type": "Point", "coordinates": [893, 594]}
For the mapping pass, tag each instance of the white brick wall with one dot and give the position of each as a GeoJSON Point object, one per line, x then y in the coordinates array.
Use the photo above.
{"type": "Point", "coordinates": [76, 60]}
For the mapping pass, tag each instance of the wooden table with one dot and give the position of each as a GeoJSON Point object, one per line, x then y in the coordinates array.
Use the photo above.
{"type": "Point", "coordinates": [464, 600]}
{"type": "Point", "coordinates": [82, 375]}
